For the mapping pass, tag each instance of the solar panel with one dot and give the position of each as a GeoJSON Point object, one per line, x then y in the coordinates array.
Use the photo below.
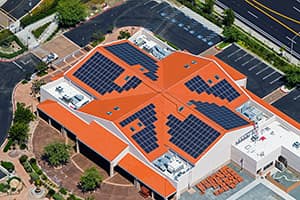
{"type": "Point", "coordinates": [222, 89]}
{"type": "Point", "coordinates": [99, 73]}
{"type": "Point", "coordinates": [191, 135]}
{"type": "Point", "coordinates": [221, 115]}
{"type": "Point", "coordinates": [133, 56]}
{"type": "Point", "coordinates": [146, 138]}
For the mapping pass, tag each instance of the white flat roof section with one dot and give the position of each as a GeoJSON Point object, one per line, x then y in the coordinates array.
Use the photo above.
{"type": "Point", "coordinates": [68, 94]}
{"type": "Point", "coordinates": [268, 139]}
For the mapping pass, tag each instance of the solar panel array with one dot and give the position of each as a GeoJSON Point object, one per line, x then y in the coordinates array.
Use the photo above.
{"type": "Point", "coordinates": [220, 114]}
{"type": "Point", "coordinates": [99, 73]}
{"type": "Point", "coordinates": [222, 89]}
{"type": "Point", "coordinates": [191, 135]}
{"type": "Point", "coordinates": [133, 56]}
{"type": "Point", "coordinates": [146, 138]}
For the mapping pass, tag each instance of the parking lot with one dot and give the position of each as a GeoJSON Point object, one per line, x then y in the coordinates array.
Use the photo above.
{"type": "Point", "coordinates": [162, 19]}
{"type": "Point", "coordinates": [262, 79]}
{"type": "Point", "coordinates": [18, 8]}
{"type": "Point", "coordinates": [11, 74]}
{"type": "Point", "coordinates": [290, 104]}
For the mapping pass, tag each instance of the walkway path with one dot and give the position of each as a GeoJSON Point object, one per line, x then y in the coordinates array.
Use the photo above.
{"type": "Point", "coordinates": [26, 35]}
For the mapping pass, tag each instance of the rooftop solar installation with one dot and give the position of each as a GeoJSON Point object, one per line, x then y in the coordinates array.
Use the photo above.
{"type": "Point", "coordinates": [220, 114]}
{"type": "Point", "coordinates": [133, 56]}
{"type": "Point", "coordinates": [100, 72]}
{"type": "Point", "coordinates": [191, 135]}
{"type": "Point", "coordinates": [146, 138]}
{"type": "Point", "coordinates": [222, 89]}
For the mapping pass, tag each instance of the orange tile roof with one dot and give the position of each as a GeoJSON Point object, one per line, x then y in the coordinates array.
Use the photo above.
{"type": "Point", "coordinates": [236, 75]}
{"type": "Point", "coordinates": [93, 135]}
{"type": "Point", "coordinates": [147, 175]}
{"type": "Point", "coordinates": [168, 93]}
{"type": "Point", "coordinates": [273, 109]}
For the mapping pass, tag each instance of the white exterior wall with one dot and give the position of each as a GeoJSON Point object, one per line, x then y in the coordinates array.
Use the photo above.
{"type": "Point", "coordinates": [293, 160]}
{"type": "Point", "coordinates": [268, 158]}
{"type": "Point", "coordinates": [216, 157]}
{"type": "Point", "coordinates": [248, 163]}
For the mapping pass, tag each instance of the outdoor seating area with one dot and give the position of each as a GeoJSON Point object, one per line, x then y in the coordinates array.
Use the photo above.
{"type": "Point", "coordinates": [223, 180]}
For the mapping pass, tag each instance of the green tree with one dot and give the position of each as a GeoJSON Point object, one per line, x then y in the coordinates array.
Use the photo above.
{"type": "Point", "coordinates": [231, 34]}
{"type": "Point", "coordinates": [23, 114]}
{"type": "Point", "coordinates": [228, 17]}
{"type": "Point", "coordinates": [123, 35]}
{"type": "Point", "coordinates": [57, 153]}
{"type": "Point", "coordinates": [90, 179]}
{"type": "Point", "coordinates": [41, 68]}
{"type": "Point", "coordinates": [36, 86]}
{"type": "Point", "coordinates": [70, 12]}
{"type": "Point", "coordinates": [293, 77]}
{"type": "Point", "coordinates": [209, 6]}
{"type": "Point", "coordinates": [19, 132]}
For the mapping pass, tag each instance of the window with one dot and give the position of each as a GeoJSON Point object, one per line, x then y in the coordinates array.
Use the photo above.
{"type": "Point", "coordinates": [268, 165]}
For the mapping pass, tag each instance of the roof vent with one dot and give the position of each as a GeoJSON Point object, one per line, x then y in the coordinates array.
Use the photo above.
{"type": "Point", "coordinates": [132, 129]}
{"type": "Point", "coordinates": [187, 66]}
{"type": "Point", "coordinates": [217, 77]}
{"type": "Point", "coordinates": [116, 108]}
{"type": "Point", "coordinates": [209, 81]}
{"type": "Point", "coordinates": [127, 78]}
{"type": "Point", "coordinates": [180, 108]}
{"type": "Point", "coordinates": [194, 62]}
{"type": "Point", "coordinates": [109, 113]}
{"type": "Point", "coordinates": [189, 103]}
{"type": "Point", "coordinates": [142, 69]}
{"type": "Point", "coordinates": [140, 124]}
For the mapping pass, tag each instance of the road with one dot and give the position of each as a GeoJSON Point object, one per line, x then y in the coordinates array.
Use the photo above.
{"type": "Point", "coordinates": [11, 74]}
{"type": "Point", "coordinates": [279, 21]}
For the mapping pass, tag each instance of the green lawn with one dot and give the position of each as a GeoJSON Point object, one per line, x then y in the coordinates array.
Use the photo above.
{"type": "Point", "coordinates": [38, 32]}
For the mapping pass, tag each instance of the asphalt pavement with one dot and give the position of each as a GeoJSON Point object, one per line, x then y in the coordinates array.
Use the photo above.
{"type": "Point", "coordinates": [11, 73]}
{"type": "Point", "coordinates": [18, 8]}
{"type": "Point", "coordinates": [162, 19]}
{"type": "Point", "coordinates": [276, 20]}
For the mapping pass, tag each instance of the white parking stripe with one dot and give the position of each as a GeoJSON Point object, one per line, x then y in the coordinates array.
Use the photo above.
{"type": "Point", "coordinates": [236, 51]}
{"type": "Point", "coordinates": [19, 66]}
{"type": "Point", "coordinates": [269, 75]}
{"type": "Point", "coordinates": [297, 9]}
{"type": "Point", "coordinates": [251, 68]}
{"type": "Point", "coordinates": [240, 57]}
{"type": "Point", "coordinates": [297, 97]}
{"type": "Point", "coordinates": [250, 13]}
{"type": "Point", "coordinates": [275, 80]}
{"type": "Point", "coordinates": [245, 63]}
{"type": "Point", "coordinates": [262, 70]}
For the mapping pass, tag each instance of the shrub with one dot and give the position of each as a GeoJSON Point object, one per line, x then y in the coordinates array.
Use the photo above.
{"type": "Point", "coordinates": [63, 191]}
{"type": "Point", "coordinates": [8, 145]}
{"type": "Point", "coordinates": [27, 167]}
{"type": "Point", "coordinates": [23, 159]}
{"type": "Point", "coordinates": [23, 146]}
{"type": "Point", "coordinates": [57, 196]}
{"type": "Point", "coordinates": [34, 176]}
{"type": "Point", "coordinates": [50, 193]}
{"type": "Point", "coordinates": [8, 166]}
{"type": "Point", "coordinates": [35, 167]}
{"type": "Point", "coordinates": [44, 177]}
{"type": "Point", "coordinates": [4, 187]}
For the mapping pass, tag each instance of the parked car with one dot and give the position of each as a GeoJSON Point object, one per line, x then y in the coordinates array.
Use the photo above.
{"type": "Point", "coordinates": [50, 58]}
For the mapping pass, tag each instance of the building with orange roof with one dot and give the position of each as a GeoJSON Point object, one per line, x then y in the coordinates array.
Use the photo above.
{"type": "Point", "coordinates": [163, 121]}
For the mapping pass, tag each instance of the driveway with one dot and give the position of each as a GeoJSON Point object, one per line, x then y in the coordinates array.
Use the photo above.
{"type": "Point", "coordinates": [10, 74]}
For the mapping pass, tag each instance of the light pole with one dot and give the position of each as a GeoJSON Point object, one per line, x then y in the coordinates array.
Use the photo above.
{"type": "Point", "coordinates": [292, 42]}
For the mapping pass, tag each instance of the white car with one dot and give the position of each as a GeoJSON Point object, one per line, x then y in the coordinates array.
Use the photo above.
{"type": "Point", "coordinates": [50, 57]}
